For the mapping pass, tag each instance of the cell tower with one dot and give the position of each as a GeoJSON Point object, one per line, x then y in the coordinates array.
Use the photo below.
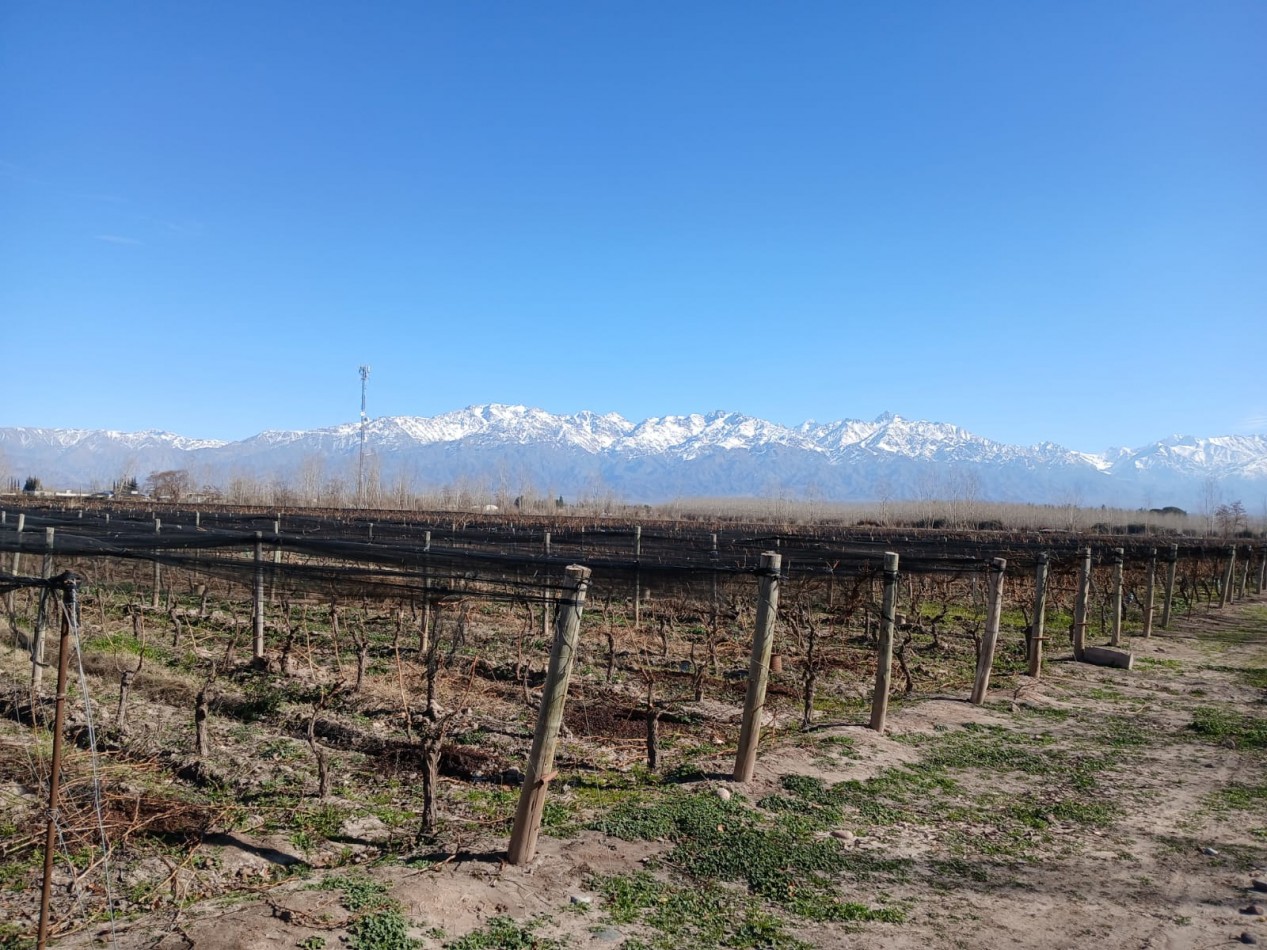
{"type": "Point", "coordinates": [360, 474]}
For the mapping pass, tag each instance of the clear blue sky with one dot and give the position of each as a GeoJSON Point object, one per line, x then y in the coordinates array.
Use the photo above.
{"type": "Point", "coordinates": [1038, 220]}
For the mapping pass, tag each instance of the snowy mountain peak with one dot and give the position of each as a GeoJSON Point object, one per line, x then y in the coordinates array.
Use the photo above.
{"type": "Point", "coordinates": [718, 453]}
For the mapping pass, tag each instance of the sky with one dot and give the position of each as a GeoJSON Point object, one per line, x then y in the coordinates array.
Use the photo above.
{"type": "Point", "coordinates": [1038, 221]}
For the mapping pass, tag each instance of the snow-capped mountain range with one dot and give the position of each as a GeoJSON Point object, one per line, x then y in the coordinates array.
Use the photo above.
{"type": "Point", "coordinates": [513, 449]}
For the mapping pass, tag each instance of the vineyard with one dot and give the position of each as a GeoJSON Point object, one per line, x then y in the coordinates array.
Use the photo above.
{"type": "Point", "coordinates": [296, 728]}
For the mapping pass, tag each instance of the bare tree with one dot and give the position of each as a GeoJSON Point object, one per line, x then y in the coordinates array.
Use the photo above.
{"type": "Point", "coordinates": [169, 486]}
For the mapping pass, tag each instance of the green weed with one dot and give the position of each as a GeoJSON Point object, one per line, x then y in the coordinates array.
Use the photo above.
{"type": "Point", "coordinates": [1229, 729]}
{"type": "Point", "coordinates": [502, 933]}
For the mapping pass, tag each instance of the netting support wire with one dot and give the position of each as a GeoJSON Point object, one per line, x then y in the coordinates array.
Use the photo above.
{"type": "Point", "coordinates": [68, 583]}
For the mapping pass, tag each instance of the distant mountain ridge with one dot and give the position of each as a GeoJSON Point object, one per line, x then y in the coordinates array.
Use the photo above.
{"type": "Point", "coordinates": [718, 454]}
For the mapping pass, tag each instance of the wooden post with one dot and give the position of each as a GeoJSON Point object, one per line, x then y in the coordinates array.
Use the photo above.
{"type": "Point", "coordinates": [1080, 605]}
{"type": "Point", "coordinates": [1225, 593]}
{"type": "Point", "coordinates": [547, 544]}
{"type": "Point", "coordinates": [277, 561]}
{"type": "Point", "coordinates": [158, 568]}
{"type": "Point", "coordinates": [540, 768]}
{"type": "Point", "coordinates": [713, 555]}
{"type": "Point", "coordinates": [1119, 558]}
{"type": "Point", "coordinates": [17, 560]}
{"type": "Point", "coordinates": [759, 665]}
{"type": "Point", "coordinates": [637, 576]}
{"type": "Point", "coordinates": [1168, 598]}
{"type": "Point", "coordinates": [41, 617]}
{"type": "Point", "coordinates": [69, 613]}
{"type": "Point", "coordinates": [197, 519]}
{"type": "Point", "coordinates": [1262, 571]}
{"type": "Point", "coordinates": [424, 640]}
{"type": "Point", "coordinates": [1240, 589]}
{"type": "Point", "coordinates": [1150, 593]}
{"type": "Point", "coordinates": [884, 656]}
{"type": "Point", "coordinates": [994, 612]}
{"type": "Point", "coordinates": [1040, 610]}
{"type": "Point", "coordinates": [17, 554]}
{"type": "Point", "coordinates": [257, 640]}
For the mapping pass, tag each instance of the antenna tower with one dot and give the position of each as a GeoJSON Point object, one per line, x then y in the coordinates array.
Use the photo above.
{"type": "Point", "coordinates": [360, 474]}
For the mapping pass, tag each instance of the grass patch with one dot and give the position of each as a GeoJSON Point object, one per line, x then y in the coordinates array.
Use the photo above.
{"type": "Point", "coordinates": [1157, 663]}
{"type": "Point", "coordinates": [1229, 729]}
{"type": "Point", "coordinates": [1255, 676]}
{"type": "Point", "coordinates": [502, 933]}
{"type": "Point", "coordinates": [777, 857]}
{"type": "Point", "coordinates": [694, 916]}
{"type": "Point", "coordinates": [378, 923]}
{"type": "Point", "coordinates": [1239, 797]}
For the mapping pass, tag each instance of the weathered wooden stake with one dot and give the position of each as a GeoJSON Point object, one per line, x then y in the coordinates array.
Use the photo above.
{"type": "Point", "coordinates": [17, 560]}
{"type": "Point", "coordinates": [994, 612]}
{"type": "Point", "coordinates": [540, 769]}
{"type": "Point", "coordinates": [1150, 593]}
{"type": "Point", "coordinates": [637, 576]}
{"type": "Point", "coordinates": [713, 556]}
{"type": "Point", "coordinates": [277, 562]}
{"type": "Point", "coordinates": [70, 611]}
{"type": "Point", "coordinates": [759, 665]}
{"type": "Point", "coordinates": [257, 640]}
{"type": "Point", "coordinates": [1080, 604]}
{"type": "Point", "coordinates": [1262, 571]}
{"type": "Point", "coordinates": [1225, 593]}
{"type": "Point", "coordinates": [424, 633]}
{"type": "Point", "coordinates": [1240, 590]}
{"type": "Point", "coordinates": [41, 616]}
{"type": "Point", "coordinates": [884, 656]}
{"type": "Point", "coordinates": [1119, 559]}
{"type": "Point", "coordinates": [1168, 598]}
{"type": "Point", "coordinates": [1040, 610]}
{"type": "Point", "coordinates": [158, 568]}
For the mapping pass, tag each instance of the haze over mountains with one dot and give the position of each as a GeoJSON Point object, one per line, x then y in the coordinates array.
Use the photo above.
{"type": "Point", "coordinates": [512, 449]}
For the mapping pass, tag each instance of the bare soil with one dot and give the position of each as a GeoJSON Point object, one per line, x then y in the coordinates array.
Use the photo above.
{"type": "Point", "coordinates": [1160, 851]}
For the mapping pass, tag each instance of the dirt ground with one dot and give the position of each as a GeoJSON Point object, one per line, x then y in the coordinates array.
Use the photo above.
{"type": "Point", "coordinates": [1157, 848]}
